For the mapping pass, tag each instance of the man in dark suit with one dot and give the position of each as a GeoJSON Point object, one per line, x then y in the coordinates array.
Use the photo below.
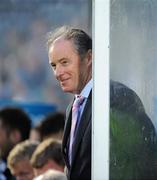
{"type": "Point", "coordinates": [70, 55]}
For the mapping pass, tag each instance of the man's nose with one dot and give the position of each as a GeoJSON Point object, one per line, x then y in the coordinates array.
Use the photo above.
{"type": "Point", "coordinates": [58, 72]}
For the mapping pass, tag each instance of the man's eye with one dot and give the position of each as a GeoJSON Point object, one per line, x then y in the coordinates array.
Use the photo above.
{"type": "Point", "coordinates": [53, 66]}
{"type": "Point", "coordinates": [64, 62]}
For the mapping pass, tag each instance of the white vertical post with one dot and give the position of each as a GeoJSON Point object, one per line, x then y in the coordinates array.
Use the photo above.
{"type": "Point", "coordinates": [100, 109]}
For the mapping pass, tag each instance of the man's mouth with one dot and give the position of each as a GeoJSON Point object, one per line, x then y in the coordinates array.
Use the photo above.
{"type": "Point", "coordinates": [64, 80]}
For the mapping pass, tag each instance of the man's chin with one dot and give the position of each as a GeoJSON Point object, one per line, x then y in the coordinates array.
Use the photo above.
{"type": "Point", "coordinates": [66, 90]}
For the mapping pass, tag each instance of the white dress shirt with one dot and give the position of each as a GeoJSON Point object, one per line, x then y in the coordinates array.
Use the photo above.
{"type": "Point", "coordinates": [85, 93]}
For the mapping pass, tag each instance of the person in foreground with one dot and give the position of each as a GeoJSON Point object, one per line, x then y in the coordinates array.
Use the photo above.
{"type": "Point", "coordinates": [15, 125]}
{"type": "Point", "coordinates": [51, 174]}
{"type": "Point", "coordinates": [70, 55]}
{"type": "Point", "coordinates": [47, 156]}
{"type": "Point", "coordinates": [19, 160]}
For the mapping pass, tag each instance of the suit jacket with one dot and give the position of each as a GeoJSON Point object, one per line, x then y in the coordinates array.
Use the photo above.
{"type": "Point", "coordinates": [123, 99]}
{"type": "Point", "coordinates": [81, 160]}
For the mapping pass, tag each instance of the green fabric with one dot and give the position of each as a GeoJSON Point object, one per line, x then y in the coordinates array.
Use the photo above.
{"type": "Point", "coordinates": [132, 147]}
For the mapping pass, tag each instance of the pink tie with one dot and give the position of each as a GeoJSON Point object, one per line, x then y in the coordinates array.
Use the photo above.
{"type": "Point", "coordinates": [75, 117]}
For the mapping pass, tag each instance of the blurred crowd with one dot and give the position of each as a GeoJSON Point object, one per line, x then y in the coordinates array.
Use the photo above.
{"type": "Point", "coordinates": [30, 152]}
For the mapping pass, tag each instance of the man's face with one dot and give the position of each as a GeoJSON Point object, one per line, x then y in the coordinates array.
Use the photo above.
{"type": "Point", "coordinates": [69, 70]}
{"type": "Point", "coordinates": [50, 164]}
{"type": "Point", "coordinates": [23, 170]}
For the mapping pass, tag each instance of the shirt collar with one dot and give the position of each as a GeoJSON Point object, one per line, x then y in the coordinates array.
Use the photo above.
{"type": "Point", "coordinates": [86, 90]}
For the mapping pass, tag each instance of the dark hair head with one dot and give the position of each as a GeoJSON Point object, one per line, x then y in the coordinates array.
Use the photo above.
{"type": "Point", "coordinates": [15, 118]}
{"type": "Point", "coordinates": [82, 41]}
{"type": "Point", "coordinates": [51, 124]}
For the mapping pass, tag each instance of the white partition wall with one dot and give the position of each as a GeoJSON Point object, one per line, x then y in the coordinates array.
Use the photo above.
{"type": "Point", "coordinates": [100, 120]}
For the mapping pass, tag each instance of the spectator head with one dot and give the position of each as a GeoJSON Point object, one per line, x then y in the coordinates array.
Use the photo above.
{"type": "Point", "coordinates": [15, 127]}
{"type": "Point", "coordinates": [19, 160]}
{"type": "Point", "coordinates": [52, 126]}
{"type": "Point", "coordinates": [47, 156]}
{"type": "Point", "coordinates": [52, 175]}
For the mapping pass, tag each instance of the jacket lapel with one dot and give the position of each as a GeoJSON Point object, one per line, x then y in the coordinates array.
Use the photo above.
{"type": "Point", "coordinates": [85, 120]}
{"type": "Point", "coordinates": [66, 135]}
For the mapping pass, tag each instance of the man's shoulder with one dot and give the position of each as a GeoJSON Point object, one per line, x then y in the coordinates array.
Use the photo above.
{"type": "Point", "coordinates": [124, 98]}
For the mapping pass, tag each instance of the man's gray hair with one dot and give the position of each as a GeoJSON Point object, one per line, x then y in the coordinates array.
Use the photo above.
{"type": "Point", "coordinates": [82, 41]}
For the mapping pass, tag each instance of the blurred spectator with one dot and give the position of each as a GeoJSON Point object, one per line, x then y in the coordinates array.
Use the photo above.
{"type": "Point", "coordinates": [51, 175]}
{"type": "Point", "coordinates": [52, 126]}
{"type": "Point", "coordinates": [15, 127]}
{"type": "Point", "coordinates": [19, 160]}
{"type": "Point", "coordinates": [35, 133]}
{"type": "Point", "coordinates": [47, 156]}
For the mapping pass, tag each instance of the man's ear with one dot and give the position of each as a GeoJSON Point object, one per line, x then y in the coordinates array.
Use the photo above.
{"type": "Point", "coordinates": [15, 136]}
{"type": "Point", "coordinates": [89, 57]}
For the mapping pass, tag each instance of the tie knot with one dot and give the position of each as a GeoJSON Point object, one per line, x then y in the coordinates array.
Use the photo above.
{"type": "Point", "coordinates": [78, 101]}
